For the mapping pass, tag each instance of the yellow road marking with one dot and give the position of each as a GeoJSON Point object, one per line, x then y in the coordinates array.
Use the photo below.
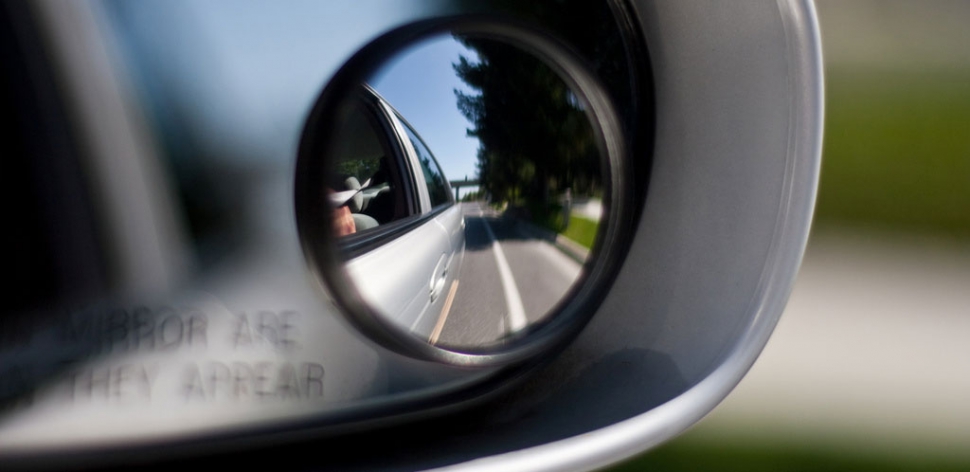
{"type": "Point", "coordinates": [444, 313]}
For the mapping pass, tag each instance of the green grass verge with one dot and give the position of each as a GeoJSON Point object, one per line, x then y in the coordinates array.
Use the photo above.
{"type": "Point", "coordinates": [897, 151]}
{"type": "Point", "coordinates": [550, 216]}
{"type": "Point", "coordinates": [581, 230]}
{"type": "Point", "coordinates": [686, 454]}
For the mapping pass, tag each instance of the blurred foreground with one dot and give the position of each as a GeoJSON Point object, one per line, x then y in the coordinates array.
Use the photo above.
{"type": "Point", "coordinates": [867, 369]}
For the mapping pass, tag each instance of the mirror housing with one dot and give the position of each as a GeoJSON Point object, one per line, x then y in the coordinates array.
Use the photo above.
{"type": "Point", "coordinates": [735, 102]}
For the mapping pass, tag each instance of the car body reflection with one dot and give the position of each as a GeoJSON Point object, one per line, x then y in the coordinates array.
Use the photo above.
{"type": "Point", "coordinates": [458, 275]}
{"type": "Point", "coordinates": [408, 240]}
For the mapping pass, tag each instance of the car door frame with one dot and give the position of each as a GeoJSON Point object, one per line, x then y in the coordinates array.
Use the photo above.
{"type": "Point", "coordinates": [368, 254]}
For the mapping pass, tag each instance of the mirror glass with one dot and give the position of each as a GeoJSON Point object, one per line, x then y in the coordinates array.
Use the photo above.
{"type": "Point", "coordinates": [465, 189]}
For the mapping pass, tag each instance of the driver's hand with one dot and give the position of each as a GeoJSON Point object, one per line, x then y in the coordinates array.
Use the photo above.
{"type": "Point", "coordinates": [343, 221]}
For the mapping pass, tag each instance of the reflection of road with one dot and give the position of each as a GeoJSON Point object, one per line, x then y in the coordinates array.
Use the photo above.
{"type": "Point", "coordinates": [507, 281]}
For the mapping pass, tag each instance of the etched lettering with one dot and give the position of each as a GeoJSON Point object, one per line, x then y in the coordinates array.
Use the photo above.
{"type": "Point", "coordinates": [120, 383]}
{"type": "Point", "coordinates": [170, 332]}
{"type": "Point", "coordinates": [192, 388]}
{"type": "Point", "coordinates": [242, 334]}
{"type": "Point", "coordinates": [313, 379]}
{"type": "Point", "coordinates": [287, 385]}
{"type": "Point", "coordinates": [220, 380]}
{"type": "Point", "coordinates": [266, 328]}
{"type": "Point", "coordinates": [242, 376]}
{"type": "Point", "coordinates": [288, 329]}
{"type": "Point", "coordinates": [259, 381]}
{"type": "Point", "coordinates": [198, 324]}
{"type": "Point", "coordinates": [139, 328]}
{"type": "Point", "coordinates": [267, 325]}
{"type": "Point", "coordinates": [144, 324]}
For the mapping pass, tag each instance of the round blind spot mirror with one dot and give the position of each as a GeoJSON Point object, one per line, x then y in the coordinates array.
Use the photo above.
{"type": "Point", "coordinates": [456, 194]}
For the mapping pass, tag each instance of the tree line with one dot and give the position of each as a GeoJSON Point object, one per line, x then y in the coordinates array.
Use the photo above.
{"type": "Point", "coordinates": [535, 138]}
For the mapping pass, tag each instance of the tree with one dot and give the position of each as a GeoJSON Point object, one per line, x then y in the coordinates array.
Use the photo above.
{"type": "Point", "coordinates": [535, 138]}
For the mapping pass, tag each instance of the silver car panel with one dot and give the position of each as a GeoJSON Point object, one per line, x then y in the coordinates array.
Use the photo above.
{"type": "Point", "coordinates": [738, 91]}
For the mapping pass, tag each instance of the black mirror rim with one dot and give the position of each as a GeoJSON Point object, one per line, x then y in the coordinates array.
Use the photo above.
{"type": "Point", "coordinates": [317, 234]}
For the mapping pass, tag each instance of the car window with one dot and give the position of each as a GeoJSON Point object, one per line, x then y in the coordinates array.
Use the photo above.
{"type": "Point", "coordinates": [438, 190]}
{"type": "Point", "coordinates": [369, 171]}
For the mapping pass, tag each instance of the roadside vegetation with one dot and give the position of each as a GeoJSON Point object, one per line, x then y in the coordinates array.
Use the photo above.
{"type": "Point", "coordinates": [690, 454]}
{"type": "Point", "coordinates": [582, 230]}
{"type": "Point", "coordinates": [540, 152]}
{"type": "Point", "coordinates": [896, 159]}
{"type": "Point", "coordinates": [897, 151]}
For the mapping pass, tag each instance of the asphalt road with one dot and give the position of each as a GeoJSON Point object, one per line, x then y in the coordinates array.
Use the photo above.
{"type": "Point", "coordinates": [509, 279]}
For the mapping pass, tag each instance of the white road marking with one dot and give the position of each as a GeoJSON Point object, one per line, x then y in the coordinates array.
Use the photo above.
{"type": "Point", "coordinates": [516, 313]}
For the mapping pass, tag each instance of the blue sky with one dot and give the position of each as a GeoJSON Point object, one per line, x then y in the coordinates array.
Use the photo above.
{"type": "Point", "coordinates": [255, 71]}
{"type": "Point", "coordinates": [420, 84]}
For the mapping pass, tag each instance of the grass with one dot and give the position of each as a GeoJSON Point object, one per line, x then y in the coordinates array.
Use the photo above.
{"type": "Point", "coordinates": [897, 151]}
{"type": "Point", "coordinates": [550, 216]}
{"type": "Point", "coordinates": [581, 230]}
{"type": "Point", "coordinates": [688, 454]}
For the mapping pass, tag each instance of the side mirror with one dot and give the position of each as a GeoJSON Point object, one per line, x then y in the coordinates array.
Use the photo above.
{"type": "Point", "coordinates": [189, 295]}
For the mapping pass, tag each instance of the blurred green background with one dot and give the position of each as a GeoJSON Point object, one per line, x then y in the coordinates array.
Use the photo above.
{"type": "Point", "coordinates": [893, 226]}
